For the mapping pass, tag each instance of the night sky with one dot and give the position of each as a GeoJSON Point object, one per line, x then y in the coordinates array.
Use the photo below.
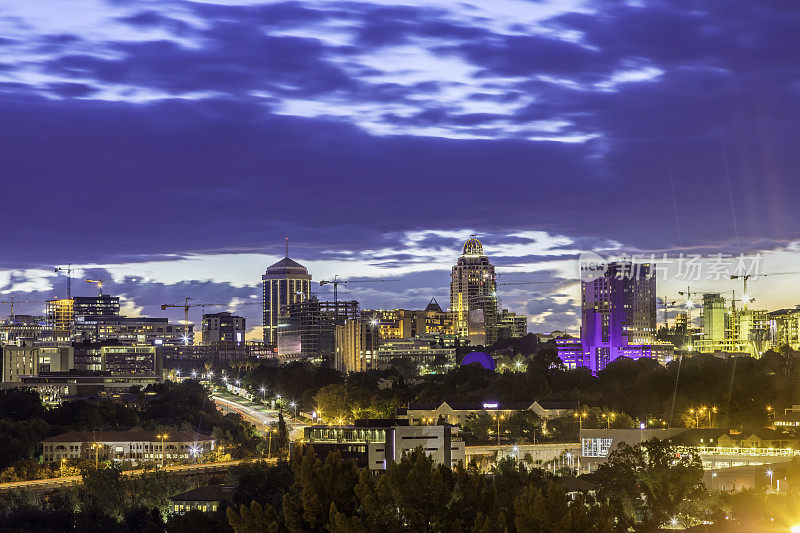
{"type": "Point", "coordinates": [168, 146]}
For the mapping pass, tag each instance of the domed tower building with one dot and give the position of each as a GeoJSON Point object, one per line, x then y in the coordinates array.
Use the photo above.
{"type": "Point", "coordinates": [473, 295]}
{"type": "Point", "coordinates": [285, 282]}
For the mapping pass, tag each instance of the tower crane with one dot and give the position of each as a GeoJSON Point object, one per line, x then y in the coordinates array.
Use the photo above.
{"type": "Point", "coordinates": [13, 301]}
{"type": "Point", "coordinates": [336, 281]}
{"type": "Point", "coordinates": [746, 277]}
{"type": "Point", "coordinates": [97, 282]}
{"type": "Point", "coordinates": [68, 269]}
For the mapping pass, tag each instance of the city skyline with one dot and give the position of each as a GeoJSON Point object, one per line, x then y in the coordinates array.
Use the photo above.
{"type": "Point", "coordinates": [174, 144]}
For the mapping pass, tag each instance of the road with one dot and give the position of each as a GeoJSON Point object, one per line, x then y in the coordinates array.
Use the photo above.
{"type": "Point", "coordinates": [256, 414]}
{"type": "Point", "coordinates": [52, 483]}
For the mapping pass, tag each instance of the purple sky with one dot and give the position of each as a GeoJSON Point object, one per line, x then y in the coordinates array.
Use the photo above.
{"type": "Point", "coordinates": [169, 145]}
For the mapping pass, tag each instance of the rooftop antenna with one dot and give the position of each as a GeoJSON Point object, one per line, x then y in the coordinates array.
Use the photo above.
{"type": "Point", "coordinates": [287, 247]}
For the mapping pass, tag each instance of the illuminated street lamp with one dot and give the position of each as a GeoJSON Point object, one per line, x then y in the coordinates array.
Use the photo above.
{"type": "Point", "coordinates": [580, 417]}
{"type": "Point", "coordinates": [194, 373]}
{"type": "Point", "coordinates": [498, 418]}
{"type": "Point", "coordinates": [769, 473]}
{"type": "Point", "coordinates": [293, 405]}
{"type": "Point", "coordinates": [263, 392]}
{"type": "Point", "coordinates": [163, 438]}
{"type": "Point", "coordinates": [609, 417]}
{"type": "Point", "coordinates": [711, 410]}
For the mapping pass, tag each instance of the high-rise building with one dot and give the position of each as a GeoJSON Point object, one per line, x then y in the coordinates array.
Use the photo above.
{"type": "Point", "coordinates": [350, 347]}
{"type": "Point", "coordinates": [286, 282]}
{"type": "Point", "coordinates": [715, 318]}
{"type": "Point", "coordinates": [618, 310]}
{"type": "Point", "coordinates": [222, 328]}
{"type": "Point", "coordinates": [307, 327]}
{"type": "Point", "coordinates": [473, 295]}
{"type": "Point", "coordinates": [60, 317]}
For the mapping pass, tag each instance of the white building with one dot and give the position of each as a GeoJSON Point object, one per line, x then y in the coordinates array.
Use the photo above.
{"type": "Point", "coordinates": [136, 446]}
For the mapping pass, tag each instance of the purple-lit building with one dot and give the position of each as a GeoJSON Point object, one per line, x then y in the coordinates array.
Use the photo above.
{"type": "Point", "coordinates": [618, 317]}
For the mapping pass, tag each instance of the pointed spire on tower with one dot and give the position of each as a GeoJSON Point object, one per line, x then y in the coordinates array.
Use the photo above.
{"type": "Point", "coordinates": [287, 246]}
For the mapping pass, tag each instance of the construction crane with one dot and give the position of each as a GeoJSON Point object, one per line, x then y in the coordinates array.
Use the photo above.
{"type": "Point", "coordinates": [336, 281]}
{"type": "Point", "coordinates": [746, 277]}
{"type": "Point", "coordinates": [68, 269]}
{"type": "Point", "coordinates": [97, 282]}
{"type": "Point", "coordinates": [13, 301]}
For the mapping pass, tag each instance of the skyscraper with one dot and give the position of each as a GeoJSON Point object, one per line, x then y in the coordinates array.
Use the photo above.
{"type": "Point", "coordinates": [618, 310]}
{"type": "Point", "coordinates": [284, 283]}
{"type": "Point", "coordinates": [473, 295]}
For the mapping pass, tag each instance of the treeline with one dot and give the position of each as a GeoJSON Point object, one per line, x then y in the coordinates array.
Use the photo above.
{"type": "Point", "coordinates": [741, 388]}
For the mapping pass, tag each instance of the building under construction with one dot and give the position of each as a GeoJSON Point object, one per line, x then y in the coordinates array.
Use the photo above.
{"type": "Point", "coordinates": [308, 329]}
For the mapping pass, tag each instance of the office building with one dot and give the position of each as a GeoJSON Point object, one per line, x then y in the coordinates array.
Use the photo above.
{"type": "Point", "coordinates": [473, 295]}
{"type": "Point", "coordinates": [135, 446]}
{"type": "Point", "coordinates": [23, 329]}
{"type": "Point", "coordinates": [424, 349]}
{"type": "Point", "coordinates": [285, 283]}
{"type": "Point", "coordinates": [19, 361]}
{"type": "Point", "coordinates": [60, 317]}
{"type": "Point", "coordinates": [379, 443]}
{"type": "Point", "coordinates": [618, 310]}
{"type": "Point", "coordinates": [222, 328]}
{"type": "Point", "coordinates": [785, 328]}
{"type": "Point", "coordinates": [307, 327]}
{"type": "Point", "coordinates": [131, 330]}
{"type": "Point", "coordinates": [350, 350]}
{"type": "Point", "coordinates": [511, 325]}
{"type": "Point", "coordinates": [104, 305]}
{"type": "Point", "coordinates": [136, 360]}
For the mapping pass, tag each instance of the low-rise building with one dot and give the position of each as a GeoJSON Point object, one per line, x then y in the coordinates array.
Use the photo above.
{"type": "Point", "coordinates": [378, 443]}
{"type": "Point", "coordinates": [207, 499]}
{"type": "Point", "coordinates": [459, 412]}
{"type": "Point", "coordinates": [137, 446]}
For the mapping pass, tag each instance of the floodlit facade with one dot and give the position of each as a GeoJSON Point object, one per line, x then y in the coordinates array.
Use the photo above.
{"type": "Point", "coordinates": [350, 353]}
{"type": "Point", "coordinates": [473, 295]}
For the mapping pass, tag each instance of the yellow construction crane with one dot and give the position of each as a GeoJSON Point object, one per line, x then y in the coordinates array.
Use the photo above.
{"type": "Point", "coordinates": [97, 282]}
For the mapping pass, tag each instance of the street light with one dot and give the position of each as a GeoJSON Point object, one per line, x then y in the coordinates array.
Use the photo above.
{"type": "Point", "coordinates": [194, 373]}
{"type": "Point", "coordinates": [163, 438]}
{"type": "Point", "coordinates": [293, 405]}
{"type": "Point", "coordinates": [263, 393]}
{"type": "Point", "coordinates": [769, 473]}
{"type": "Point", "coordinates": [711, 410]}
{"type": "Point", "coordinates": [498, 418]}
{"type": "Point", "coordinates": [580, 417]}
{"type": "Point", "coordinates": [609, 417]}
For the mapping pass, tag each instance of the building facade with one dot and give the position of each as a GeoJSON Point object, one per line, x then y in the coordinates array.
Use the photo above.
{"type": "Point", "coordinates": [127, 446]}
{"type": "Point", "coordinates": [307, 328]}
{"type": "Point", "coordinates": [19, 361]}
{"type": "Point", "coordinates": [379, 443]}
{"type": "Point", "coordinates": [473, 295]}
{"type": "Point", "coordinates": [222, 328]}
{"type": "Point", "coordinates": [350, 353]}
{"type": "Point", "coordinates": [618, 309]}
{"type": "Point", "coordinates": [285, 283]}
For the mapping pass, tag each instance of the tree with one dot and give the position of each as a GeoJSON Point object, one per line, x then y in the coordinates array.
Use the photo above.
{"type": "Point", "coordinates": [254, 519]}
{"type": "Point", "coordinates": [651, 476]}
